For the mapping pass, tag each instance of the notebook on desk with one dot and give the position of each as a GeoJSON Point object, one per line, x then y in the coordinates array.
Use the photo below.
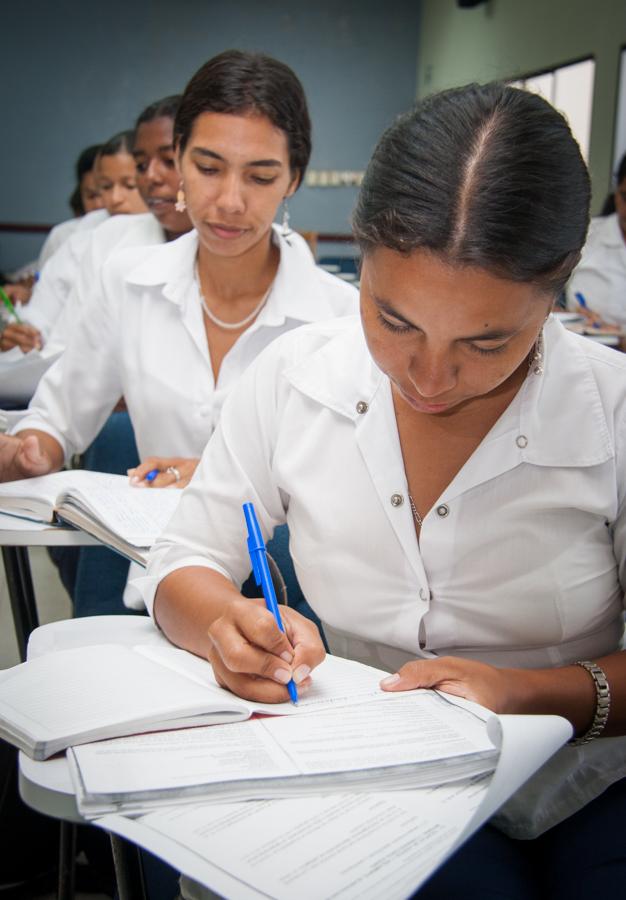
{"type": "Point", "coordinates": [123, 517]}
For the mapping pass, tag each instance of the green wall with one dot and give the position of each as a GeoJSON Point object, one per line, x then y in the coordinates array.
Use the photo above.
{"type": "Point", "coordinates": [506, 38]}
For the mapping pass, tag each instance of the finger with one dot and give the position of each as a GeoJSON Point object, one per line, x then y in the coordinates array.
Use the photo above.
{"type": "Point", "coordinates": [254, 646]}
{"type": "Point", "coordinates": [138, 474]}
{"type": "Point", "coordinates": [260, 690]}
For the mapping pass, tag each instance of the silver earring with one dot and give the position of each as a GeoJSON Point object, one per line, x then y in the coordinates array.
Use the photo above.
{"type": "Point", "coordinates": [180, 205]}
{"type": "Point", "coordinates": [535, 364]}
{"type": "Point", "coordinates": [285, 227]}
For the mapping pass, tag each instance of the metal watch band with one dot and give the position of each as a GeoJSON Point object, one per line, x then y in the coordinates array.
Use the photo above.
{"type": "Point", "coordinates": [603, 702]}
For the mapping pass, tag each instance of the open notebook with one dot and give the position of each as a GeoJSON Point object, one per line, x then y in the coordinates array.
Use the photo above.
{"type": "Point", "coordinates": [127, 518]}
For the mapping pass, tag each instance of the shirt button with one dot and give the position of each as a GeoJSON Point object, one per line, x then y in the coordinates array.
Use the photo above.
{"type": "Point", "coordinates": [397, 499]}
{"type": "Point", "coordinates": [423, 595]}
{"type": "Point", "coordinates": [522, 441]}
{"type": "Point", "coordinates": [362, 407]}
{"type": "Point", "coordinates": [442, 511]}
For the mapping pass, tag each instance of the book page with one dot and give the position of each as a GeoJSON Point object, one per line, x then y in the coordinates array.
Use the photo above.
{"type": "Point", "coordinates": [34, 496]}
{"type": "Point", "coordinates": [414, 728]}
{"type": "Point", "coordinates": [20, 374]}
{"type": "Point", "coordinates": [101, 687]}
{"type": "Point", "coordinates": [346, 846]}
{"type": "Point", "coordinates": [138, 515]}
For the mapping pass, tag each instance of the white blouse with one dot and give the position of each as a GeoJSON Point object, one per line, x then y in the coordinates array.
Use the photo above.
{"type": "Point", "coordinates": [521, 559]}
{"type": "Point", "coordinates": [600, 276]}
{"type": "Point", "coordinates": [141, 335]}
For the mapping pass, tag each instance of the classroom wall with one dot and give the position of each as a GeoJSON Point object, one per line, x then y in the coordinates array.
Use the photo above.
{"type": "Point", "coordinates": [77, 72]}
{"type": "Point", "coordinates": [507, 38]}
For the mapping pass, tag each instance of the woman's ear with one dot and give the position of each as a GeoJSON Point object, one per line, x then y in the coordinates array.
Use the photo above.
{"type": "Point", "coordinates": [294, 184]}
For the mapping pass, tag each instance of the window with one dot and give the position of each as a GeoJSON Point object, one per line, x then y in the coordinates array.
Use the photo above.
{"type": "Point", "coordinates": [570, 90]}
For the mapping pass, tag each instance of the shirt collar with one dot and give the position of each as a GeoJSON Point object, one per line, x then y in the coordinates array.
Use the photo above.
{"type": "Point", "coordinates": [538, 425]}
{"type": "Point", "coordinates": [295, 293]}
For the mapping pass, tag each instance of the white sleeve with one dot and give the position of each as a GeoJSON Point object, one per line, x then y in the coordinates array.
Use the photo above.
{"type": "Point", "coordinates": [79, 391]}
{"type": "Point", "coordinates": [55, 282]}
{"type": "Point", "coordinates": [208, 528]}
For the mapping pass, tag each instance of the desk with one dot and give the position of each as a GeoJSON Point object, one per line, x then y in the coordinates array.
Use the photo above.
{"type": "Point", "coordinates": [16, 536]}
{"type": "Point", "coordinates": [47, 787]}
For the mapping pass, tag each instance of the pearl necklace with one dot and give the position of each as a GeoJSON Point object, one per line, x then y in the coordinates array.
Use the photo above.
{"type": "Point", "coordinates": [232, 326]}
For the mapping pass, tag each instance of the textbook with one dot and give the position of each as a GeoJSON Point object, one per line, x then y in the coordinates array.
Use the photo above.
{"type": "Point", "coordinates": [84, 694]}
{"type": "Point", "coordinates": [123, 517]}
{"type": "Point", "coordinates": [345, 733]}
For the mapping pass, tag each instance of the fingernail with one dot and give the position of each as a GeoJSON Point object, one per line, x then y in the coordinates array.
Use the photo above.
{"type": "Point", "coordinates": [134, 479]}
{"type": "Point", "coordinates": [301, 673]}
{"type": "Point", "coordinates": [286, 656]}
{"type": "Point", "coordinates": [390, 680]}
{"type": "Point", "coordinates": [282, 675]}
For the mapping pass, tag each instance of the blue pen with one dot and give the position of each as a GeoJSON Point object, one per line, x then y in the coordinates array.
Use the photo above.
{"type": "Point", "coordinates": [258, 557]}
{"type": "Point", "coordinates": [151, 475]}
{"type": "Point", "coordinates": [583, 305]}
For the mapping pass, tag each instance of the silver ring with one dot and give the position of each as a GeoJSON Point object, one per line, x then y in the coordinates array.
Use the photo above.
{"type": "Point", "coordinates": [172, 470]}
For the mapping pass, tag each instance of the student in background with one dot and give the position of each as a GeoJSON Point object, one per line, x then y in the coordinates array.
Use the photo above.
{"type": "Point", "coordinates": [116, 180]}
{"type": "Point", "coordinates": [85, 199]}
{"type": "Point", "coordinates": [600, 277]}
{"type": "Point", "coordinates": [454, 518]}
{"type": "Point", "coordinates": [172, 328]}
{"type": "Point", "coordinates": [86, 195]}
{"type": "Point", "coordinates": [157, 182]}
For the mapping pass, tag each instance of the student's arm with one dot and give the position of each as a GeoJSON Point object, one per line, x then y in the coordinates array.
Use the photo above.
{"type": "Point", "coordinates": [202, 558]}
{"type": "Point", "coordinates": [78, 392]}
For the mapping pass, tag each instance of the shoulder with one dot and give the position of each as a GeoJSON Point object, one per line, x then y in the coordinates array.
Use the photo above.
{"type": "Point", "coordinates": [92, 219]}
{"type": "Point", "coordinates": [124, 231]}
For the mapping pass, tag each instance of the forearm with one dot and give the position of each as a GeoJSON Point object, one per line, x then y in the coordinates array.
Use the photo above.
{"type": "Point", "coordinates": [188, 601]}
{"type": "Point", "coordinates": [569, 691]}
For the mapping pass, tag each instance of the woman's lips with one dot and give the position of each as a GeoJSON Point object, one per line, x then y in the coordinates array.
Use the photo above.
{"type": "Point", "coordinates": [225, 232]}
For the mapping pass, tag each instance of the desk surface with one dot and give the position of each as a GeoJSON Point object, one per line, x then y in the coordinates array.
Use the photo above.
{"type": "Point", "coordinates": [16, 532]}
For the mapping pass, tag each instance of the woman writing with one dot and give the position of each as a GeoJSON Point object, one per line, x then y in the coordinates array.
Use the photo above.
{"type": "Point", "coordinates": [467, 530]}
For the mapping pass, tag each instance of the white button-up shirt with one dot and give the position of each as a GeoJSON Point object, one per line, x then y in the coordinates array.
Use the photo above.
{"type": "Point", "coordinates": [601, 274]}
{"type": "Point", "coordinates": [141, 335]}
{"type": "Point", "coordinates": [520, 561]}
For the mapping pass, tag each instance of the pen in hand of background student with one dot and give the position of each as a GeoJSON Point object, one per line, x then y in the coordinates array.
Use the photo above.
{"type": "Point", "coordinates": [171, 471]}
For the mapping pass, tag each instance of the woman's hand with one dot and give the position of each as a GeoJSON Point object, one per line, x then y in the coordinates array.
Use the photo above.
{"type": "Point", "coordinates": [174, 471]}
{"type": "Point", "coordinates": [254, 659]}
{"type": "Point", "coordinates": [497, 689]}
{"type": "Point", "coordinates": [23, 336]}
{"type": "Point", "coordinates": [24, 457]}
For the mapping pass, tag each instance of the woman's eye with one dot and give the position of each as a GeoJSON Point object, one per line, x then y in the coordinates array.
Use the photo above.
{"type": "Point", "coordinates": [486, 351]}
{"type": "Point", "coordinates": [207, 170]}
{"type": "Point", "coordinates": [397, 327]}
{"type": "Point", "coordinates": [258, 179]}
{"type": "Point", "coordinates": [141, 167]}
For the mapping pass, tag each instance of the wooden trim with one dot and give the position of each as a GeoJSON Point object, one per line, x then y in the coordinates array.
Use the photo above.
{"type": "Point", "coordinates": [24, 228]}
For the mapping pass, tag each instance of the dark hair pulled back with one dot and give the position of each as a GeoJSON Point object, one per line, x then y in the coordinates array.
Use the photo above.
{"type": "Point", "coordinates": [122, 142]}
{"type": "Point", "coordinates": [483, 175]}
{"type": "Point", "coordinates": [238, 82]}
{"type": "Point", "coordinates": [165, 108]}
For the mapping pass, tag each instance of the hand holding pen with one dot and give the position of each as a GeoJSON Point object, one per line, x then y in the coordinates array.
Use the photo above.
{"type": "Point", "coordinates": [163, 472]}
{"type": "Point", "coordinates": [250, 654]}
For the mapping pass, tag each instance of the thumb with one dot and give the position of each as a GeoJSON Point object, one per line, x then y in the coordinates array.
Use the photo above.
{"type": "Point", "coordinates": [412, 675]}
{"type": "Point", "coordinates": [31, 457]}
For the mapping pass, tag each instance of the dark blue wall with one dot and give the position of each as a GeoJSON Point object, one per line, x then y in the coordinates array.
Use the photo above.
{"type": "Point", "coordinates": [76, 72]}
